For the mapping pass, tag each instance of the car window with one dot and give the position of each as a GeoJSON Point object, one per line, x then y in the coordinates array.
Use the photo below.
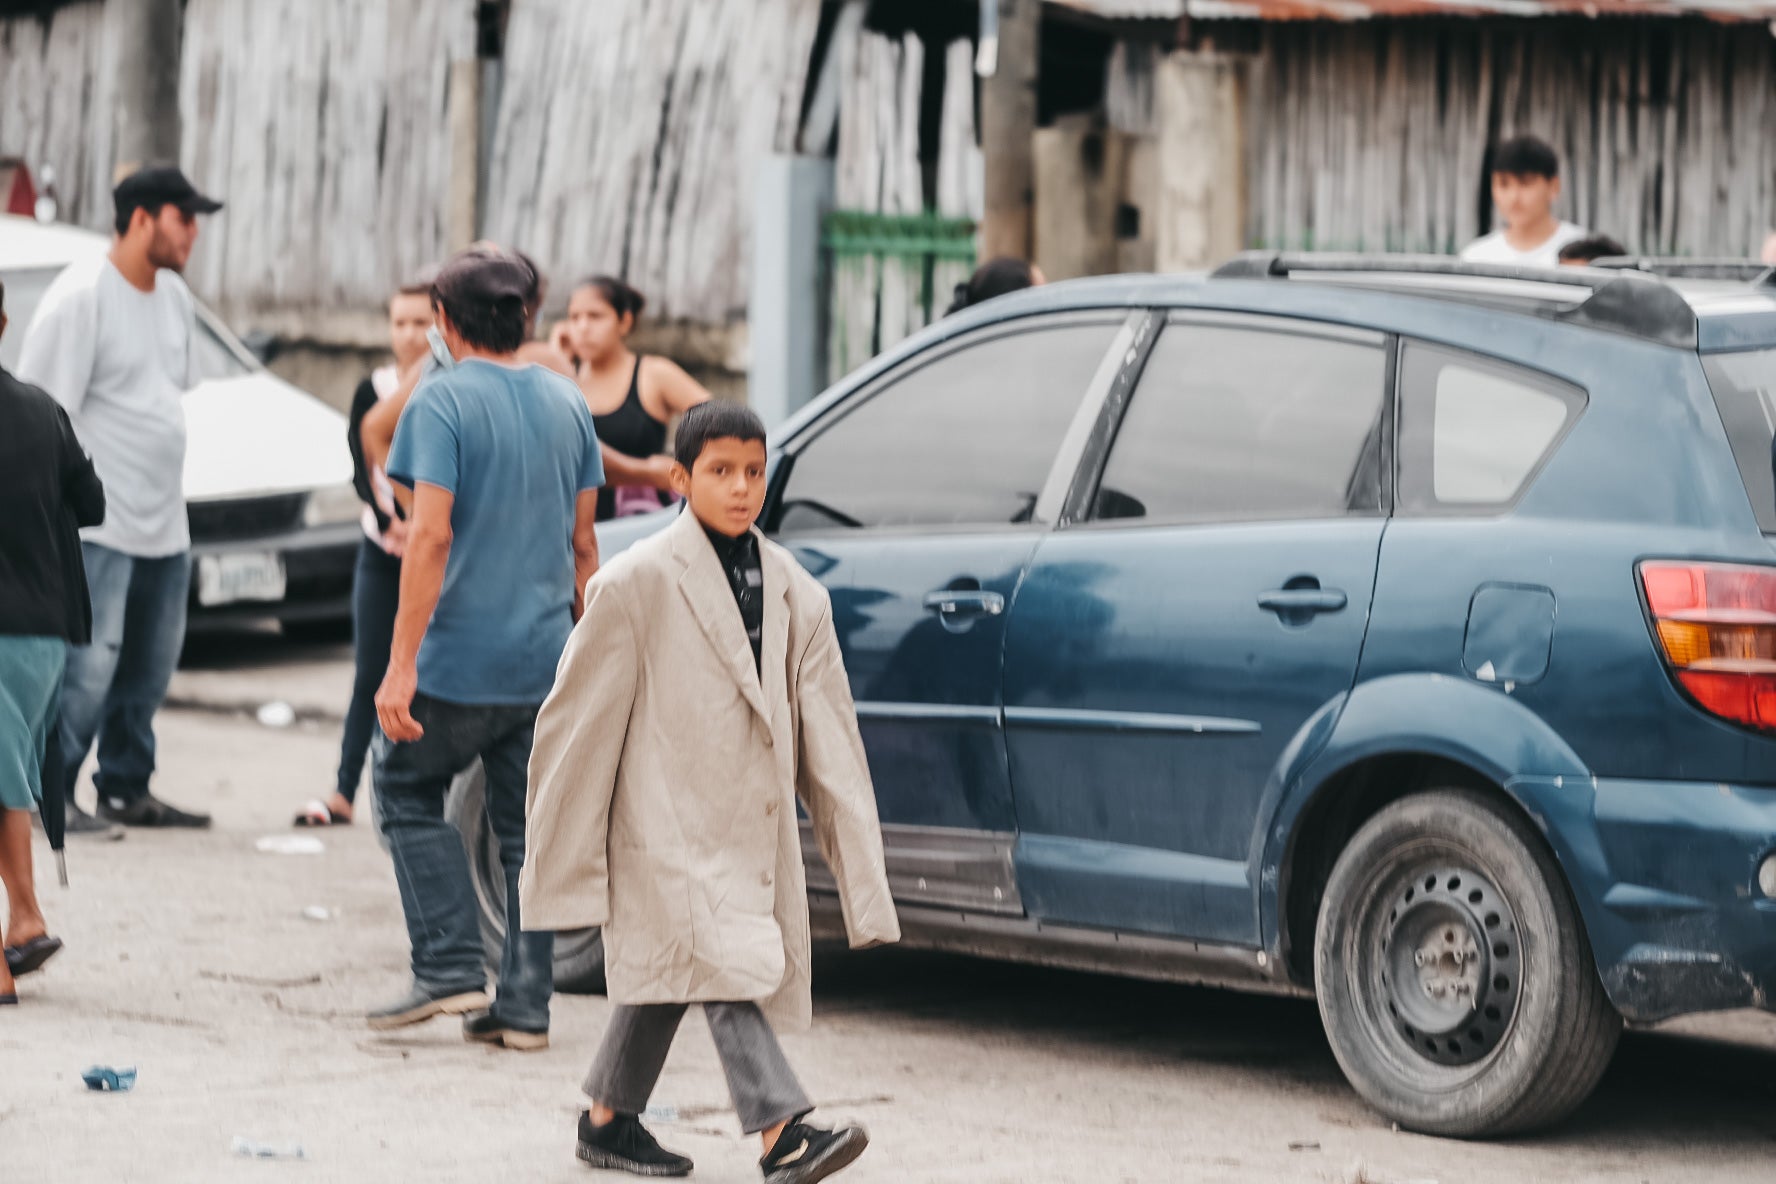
{"type": "Point", "coordinates": [23, 290]}
{"type": "Point", "coordinates": [1247, 424]}
{"type": "Point", "coordinates": [211, 356]}
{"type": "Point", "coordinates": [1744, 386]}
{"type": "Point", "coordinates": [965, 439]}
{"type": "Point", "coordinates": [1474, 431]}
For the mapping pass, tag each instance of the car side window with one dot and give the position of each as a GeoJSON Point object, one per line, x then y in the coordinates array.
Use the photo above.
{"type": "Point", "coordinates": [1474, 431]}
{"type": "Point", "coordinates": [1234, 423]}
{"type": "Point", "coordinates": [964, 439]}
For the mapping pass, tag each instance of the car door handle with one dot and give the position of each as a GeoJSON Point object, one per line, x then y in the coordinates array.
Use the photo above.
{"type": "Point", "coordinates": [1296, 605]}
{"type": "Point", "coordinates": [963, 602]}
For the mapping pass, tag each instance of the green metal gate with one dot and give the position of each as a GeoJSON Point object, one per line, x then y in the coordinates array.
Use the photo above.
{"type": "Point", "coordinates": [890, 275]}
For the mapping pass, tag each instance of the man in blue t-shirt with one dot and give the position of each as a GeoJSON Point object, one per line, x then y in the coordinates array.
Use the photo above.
{"type": "Point", "coordinates": [504, 470]}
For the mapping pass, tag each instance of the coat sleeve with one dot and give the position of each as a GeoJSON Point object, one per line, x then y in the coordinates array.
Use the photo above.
{"type": "Point", "coordinates": [573, 769]}
{"type": "Point", "coordinates": [833, 782]}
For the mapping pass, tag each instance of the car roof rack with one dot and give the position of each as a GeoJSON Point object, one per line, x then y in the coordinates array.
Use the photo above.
{"type": "Point", "coordinates": [1673, 267]}
{"type": "Point", "coordinates": [1620, 300]}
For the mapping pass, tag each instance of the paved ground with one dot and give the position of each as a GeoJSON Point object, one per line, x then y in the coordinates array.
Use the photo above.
{"type": "Point", "coordinates": [189, 958]}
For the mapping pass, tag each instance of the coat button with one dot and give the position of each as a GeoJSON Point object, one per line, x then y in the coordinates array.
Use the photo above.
{"type": "Point", "coordinates": [765, 879]}
{"type": "Point", "coordinates": [770, 807]}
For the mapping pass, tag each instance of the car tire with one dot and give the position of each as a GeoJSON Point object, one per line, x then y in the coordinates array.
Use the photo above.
{"type": "Point", "coordinates": [579, 953]}
{"type": "Point", "coordinates": [319, 630]}
{"type": "Point", "coordinates": [1454, 978]}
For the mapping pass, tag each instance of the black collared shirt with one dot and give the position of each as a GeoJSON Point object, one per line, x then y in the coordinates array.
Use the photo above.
{"type": "Point", "coordinates": [739, 558]}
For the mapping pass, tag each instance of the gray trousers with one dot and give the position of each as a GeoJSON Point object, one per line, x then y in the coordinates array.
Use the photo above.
{"type": "Point", "coordinates": [763, 1086]}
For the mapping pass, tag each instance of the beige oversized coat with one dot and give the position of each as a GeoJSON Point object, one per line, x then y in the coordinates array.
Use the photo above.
{"type": "Point", "coordinates": [664, 780]}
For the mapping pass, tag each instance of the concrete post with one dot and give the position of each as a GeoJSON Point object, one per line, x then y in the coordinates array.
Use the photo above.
{"type": "Point", "coordinates": [1008, 125]}
{"type": "Point", "coordinates": [143, 39]}
{"type": "Point", "coordinates": [786, 314]}
{"type": "Point", "coordinates": [1201, 207]}
{"type": "Point", "coordinates": [462, 211]}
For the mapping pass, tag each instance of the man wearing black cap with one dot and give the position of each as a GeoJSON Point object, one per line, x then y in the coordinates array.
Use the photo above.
{"type": "Point", "coordinates": [504, 466]}
{"type": "Point", "coordinates": [111, 342]}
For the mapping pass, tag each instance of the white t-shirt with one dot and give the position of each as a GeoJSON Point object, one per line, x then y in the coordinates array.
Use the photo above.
{"type": "Point", "coordinates": [1495, 249]}
{"type": "Point", "coordinates": [119, 360]}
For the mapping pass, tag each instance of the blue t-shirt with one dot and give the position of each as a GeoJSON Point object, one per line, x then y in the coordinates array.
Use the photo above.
{"type": "Point", "coordinates": [515, 445]}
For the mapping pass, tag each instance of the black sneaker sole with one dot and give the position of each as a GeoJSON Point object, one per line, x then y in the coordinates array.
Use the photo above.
{"type": "Point", "coordinates": [610, 1161]}
{"type": "Point", "coordinates": [841, 1154]}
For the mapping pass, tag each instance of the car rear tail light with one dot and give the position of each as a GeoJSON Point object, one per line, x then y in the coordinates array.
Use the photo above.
{"type": "Point", "coordinates": [1716, 625]}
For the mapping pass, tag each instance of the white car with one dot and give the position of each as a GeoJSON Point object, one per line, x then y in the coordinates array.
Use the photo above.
{"type": "Point", "coordinates": [268, 476]}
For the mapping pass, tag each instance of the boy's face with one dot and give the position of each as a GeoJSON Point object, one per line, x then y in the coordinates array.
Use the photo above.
{"type": "Point", "coordinates": [726, 485]}
{"type": "Point", "coordinates": [1523, 199]}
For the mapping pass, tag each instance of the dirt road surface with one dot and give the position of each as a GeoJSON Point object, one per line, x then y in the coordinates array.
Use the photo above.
{"type": "Point", "coordinates": [190, 958]}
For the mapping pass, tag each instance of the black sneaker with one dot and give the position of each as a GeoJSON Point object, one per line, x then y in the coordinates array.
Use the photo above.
{"type": "Point", "coordinates": [486, 1028]}
{"type": "Point", "coordinates": [422, 1004]}
{"type": "Point", "coordinates": [624, 1145]}
{"type": "Point", "coordinates": [79, 824]}
{"type": "Point", "coordinates": [149, 810]}
{"type": "Point", "coordinates": [806, 1153]}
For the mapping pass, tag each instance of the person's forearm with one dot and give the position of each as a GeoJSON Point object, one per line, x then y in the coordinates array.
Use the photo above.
{"type": "Point", "coordinates": [422, 579]}
{"type": "Point", "coordinates": [622, 469]}
{"type": "Point", "coordinates": [585, 567]}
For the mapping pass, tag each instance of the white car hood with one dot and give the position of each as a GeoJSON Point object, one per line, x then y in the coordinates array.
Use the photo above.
{"type": "Point", "coordinates": [258, 434]}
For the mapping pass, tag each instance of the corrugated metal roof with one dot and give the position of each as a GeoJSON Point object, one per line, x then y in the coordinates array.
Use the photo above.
{"type": "Point", "coordinates": [1355, 10]}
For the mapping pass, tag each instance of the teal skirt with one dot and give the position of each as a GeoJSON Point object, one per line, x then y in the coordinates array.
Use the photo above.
{"type": "Point", "coordinates": [30, 683]}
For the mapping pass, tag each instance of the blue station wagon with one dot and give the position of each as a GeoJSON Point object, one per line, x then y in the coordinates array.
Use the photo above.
{"type": "Point", "coordinates": [1390, 629]}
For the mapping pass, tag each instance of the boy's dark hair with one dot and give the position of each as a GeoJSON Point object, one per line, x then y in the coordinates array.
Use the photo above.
{"type": "Point", "coordinates": [714, 420]}
{"type": "Point", "coordinates": [1526, 156]}
{"type": "Point", "coordinates": [993, 278]}
{"type": "Point", "coordinates": [1597, 246]}
{"type": "Point", "coordinates": [624, 297]}
{"type": "Point", "coordinates": [484, 296]}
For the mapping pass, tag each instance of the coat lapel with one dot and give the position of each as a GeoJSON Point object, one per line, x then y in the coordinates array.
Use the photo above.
{"type": "Point", "coordinates": [706, 590]}
{"type": "Point", "coordinates": [775, 642]}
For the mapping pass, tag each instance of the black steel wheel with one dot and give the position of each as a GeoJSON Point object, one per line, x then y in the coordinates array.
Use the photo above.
{"type": "Point", "coordinates": [1453, 974]}
{"type": "Point", "coordinates": [579, 953]}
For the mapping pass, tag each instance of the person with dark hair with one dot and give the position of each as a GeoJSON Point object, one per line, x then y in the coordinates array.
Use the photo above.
{"type": "Point", "coordinates": [111, 342]}
{"type": "Point", "coordinates": [1525, 186]}
{"type": "Point", "coordinates": [996, 277]}
{"type": "Point", "coordinates": [633, 397]}
{"type": "Point", "coordinates": [502, 461]}
{"type": "Point", "coordinates": [48, 490]}
{"type": "Point", "coordinates": [376, 580]}
{"type": "Point", "coordinates": [1582, 252]}
{"type": "Point", "coordinates": [662, 807]}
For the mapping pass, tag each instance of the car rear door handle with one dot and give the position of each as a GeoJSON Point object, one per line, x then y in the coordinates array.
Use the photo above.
{"type": "Point", "coordinates": [964, 602]}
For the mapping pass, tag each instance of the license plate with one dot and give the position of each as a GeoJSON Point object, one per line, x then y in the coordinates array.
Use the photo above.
{"type": "Point", "coordinates": [246, 575]}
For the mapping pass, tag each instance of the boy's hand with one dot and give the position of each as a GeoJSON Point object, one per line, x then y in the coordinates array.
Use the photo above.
{"type": "Point", "coordinates": [394, 704]}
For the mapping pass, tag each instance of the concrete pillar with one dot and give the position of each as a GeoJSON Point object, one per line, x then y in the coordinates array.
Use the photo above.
{"type": "Point", "coordinates": [786, 313]}
{"type": "Point", "coordinates": [462, 210]}
{"type": "Point", "coordinates": [1008, 126]}
{"type": "Point", "coordinates": [1200, 214]}
{"type": "Point", "coordinates": [142, 45]}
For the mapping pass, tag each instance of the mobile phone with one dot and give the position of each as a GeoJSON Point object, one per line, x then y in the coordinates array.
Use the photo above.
{"type": "Point", "coordinates": [440, 351]}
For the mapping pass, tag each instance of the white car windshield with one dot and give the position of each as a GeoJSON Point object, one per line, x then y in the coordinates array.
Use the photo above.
{"type": "Point", "coordinates": [212, 356]}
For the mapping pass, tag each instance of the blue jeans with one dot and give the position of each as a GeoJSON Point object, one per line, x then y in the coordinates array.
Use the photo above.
{"type": "Point", "coordinates": [113, 687]}
{"type": "Point", "coordinates": [376, 594]}
{"type": "Point", "coordinates": [432, 866]}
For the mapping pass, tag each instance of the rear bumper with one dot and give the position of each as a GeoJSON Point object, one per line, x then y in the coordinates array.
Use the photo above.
{"type": "Point", "coordinates": [318, 568]}
{"type": "Point", "coordinates": [1666, 875]}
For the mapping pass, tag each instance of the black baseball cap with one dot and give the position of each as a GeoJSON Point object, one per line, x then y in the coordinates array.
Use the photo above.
{"type": "Point", "coordinates": [155, 186]}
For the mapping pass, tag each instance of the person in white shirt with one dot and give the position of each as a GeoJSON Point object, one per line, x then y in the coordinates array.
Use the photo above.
{"type": "Point", "coordinates": [111, 342]}
{"type": "Point", "coordinates": [1525, 186]}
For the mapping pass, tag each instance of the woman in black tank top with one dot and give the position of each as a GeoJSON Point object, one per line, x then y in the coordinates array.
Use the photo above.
{"type": "Point", "coordinates": [632, 398]}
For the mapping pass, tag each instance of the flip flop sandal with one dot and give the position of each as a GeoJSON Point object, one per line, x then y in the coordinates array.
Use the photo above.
{"type": "Point", "coordinates": [9, 1000]}
{"type": "Point", "coordinates": [30, 957]}
{"type": "Point", "coordinates": [316, 813]}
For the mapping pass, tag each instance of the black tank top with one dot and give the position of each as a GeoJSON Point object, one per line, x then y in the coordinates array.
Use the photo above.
{"type": "Point", "coordinates": [630, 430]}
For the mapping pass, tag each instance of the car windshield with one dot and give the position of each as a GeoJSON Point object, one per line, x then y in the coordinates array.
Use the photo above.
{"type": "Point", "coordinates": [1744, 386]}
{"type": "Point", "coordinates": [213, 354]}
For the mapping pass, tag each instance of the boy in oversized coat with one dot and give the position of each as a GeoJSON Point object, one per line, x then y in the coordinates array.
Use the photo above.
{"type": "Point", "coordinates": [702, 693]}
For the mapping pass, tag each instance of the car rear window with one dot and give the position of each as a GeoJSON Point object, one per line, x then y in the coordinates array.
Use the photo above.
{"type": "Point", "coordinates": [1744, 386]}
